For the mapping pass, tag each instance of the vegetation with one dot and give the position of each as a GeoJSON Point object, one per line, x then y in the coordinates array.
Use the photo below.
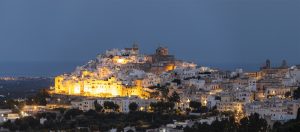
{"type": "Point", "coordinates": [178, 81]}
{"type": "Point", "coordinates": [253, 123]}
{"type": "Point", "coordinates": [26, 123]}
{"type": "Point", "coordinates": [248, 124]}
{"type": "Point", "coordinates": [11, 104]}
{"type": "Point", "coordinates": [100, 121]}
{"type": "Point", "coordinates": [97, 121]}
{"type": "Point", "coordinates": [39, 98]}
{"type": "Point", "coordinates": [174, 98]}
{"type": "Point", "coordinates": [108, 105]}
{"type": "Point", "coordinates": [296, 94]}
{"type": "Point", "coordinates": [287, 94]}
{"type": "Point", "coordinates": [226, 125]}
{"type": "Point", "coordinates": [21, 87]}
{"type": "Point", "coordinates": [290, 126]}
{"type": "Point", "coordinates": [162, 107]}
{"type": "Point", "coordinates": [98, 107]}
{"type": "Point", "coordinates": [133, 107]}
{"type": "Point", "coordinates": [197, 107]}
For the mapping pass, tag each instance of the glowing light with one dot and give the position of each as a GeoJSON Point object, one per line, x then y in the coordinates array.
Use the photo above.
{"type": "Point", "coordinates": [77, 89]}
{"type": "Point", "coordinates": [121, 61]}
{"type": "Point", "coordinates": [205, 102]}
{"type": "Point", "coordinates": [142, 108]}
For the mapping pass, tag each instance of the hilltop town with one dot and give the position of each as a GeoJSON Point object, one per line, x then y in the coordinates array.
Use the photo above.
{"type": "Point", "coordinates": [120, 73]}
{"type": "Point", "coordinates": [126, 83]}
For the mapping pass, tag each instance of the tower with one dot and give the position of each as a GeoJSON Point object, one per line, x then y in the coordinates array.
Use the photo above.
{"type": "Point", "coordinates": [284, 64]}
{"type": "Point", "coordinates": [162, 51]}
{"type": "Point", "coordinates": [135, 45]}
{"type": "Point", "coordinates": [134, 50]}
{"type": "Point", "coordinates": [268, 64]}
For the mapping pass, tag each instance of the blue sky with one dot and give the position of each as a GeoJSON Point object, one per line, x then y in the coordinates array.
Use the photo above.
{"type": "Point", "coordinates": [204, 31]}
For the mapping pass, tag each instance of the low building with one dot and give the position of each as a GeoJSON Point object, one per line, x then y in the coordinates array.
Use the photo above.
{"type": "Point", "coordinates": [9, 116]}
{"type": "Point", "coordinates": [3, 114]}
{"type": "Point", "coordinates": [122, 102]}
{"type": "Point", "coordinates": [276, 91]}
{"type": "Point", "coordinates": [33, 109]}
{"type": "Point", "coordinates": [277, 109]}
{"type": "Point", "coordinates": [230, 106]}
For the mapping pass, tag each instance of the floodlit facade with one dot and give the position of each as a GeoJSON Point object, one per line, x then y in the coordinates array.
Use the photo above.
{"type": "Point", "coordinates": [98, 88]}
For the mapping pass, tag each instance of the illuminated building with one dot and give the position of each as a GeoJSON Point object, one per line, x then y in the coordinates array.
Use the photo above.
{"type": "Point", "coordinates": [88, 86]}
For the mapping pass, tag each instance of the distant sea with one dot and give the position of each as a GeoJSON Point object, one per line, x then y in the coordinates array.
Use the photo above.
{"type": "Point", "coordinates": [51, 69]}
{"type": "Point", "coordinates": [36, 69]}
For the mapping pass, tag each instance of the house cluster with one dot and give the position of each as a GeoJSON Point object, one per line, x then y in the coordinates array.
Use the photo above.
{"type": "Point", "coordinates": [7, 114]}
{"type": "Point", "coordinates": [236, 91]}
{"type": "Point", "coordinates": [123, 76]}
{"type": "Point", "coordinates": [274, 109]}
{"type": "Point", "coordinates": [118, 72]}
{"type": "Point", "coordinates": [241, 92]}
{"type": "Point", "coordinates": [122, 102]}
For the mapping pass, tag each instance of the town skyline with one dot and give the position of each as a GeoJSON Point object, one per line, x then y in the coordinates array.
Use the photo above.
{"type": "Point", "coordinates": [150, 65]}
{"type": "Point", "coordinates": [48, 68]}
{"type": "Point", "coordinates": [125, 85]}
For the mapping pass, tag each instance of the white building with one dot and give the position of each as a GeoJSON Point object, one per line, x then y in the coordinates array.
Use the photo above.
{"type": "Point", "coordinates": [84, 105]}
{"type": "Point", "coordinates": [277, 109]}
{"type": "Point", "coordinates": [211, 101]}
{"type": "Point", "coordinates": [276, 91]}
{"type": "Point", "coordinates": [295, 73]}
{"type": "Point", "coordinates": [199, 84]}
{"type": "Point", "coordinates": [150, 79]}
{"type": "Point", "coordinates": [244, 96]}
{"type": "Point", "coordinates": [186, 73]}
{"type": "Point", "coordinates": [252, 84]}
{"type": "Point", "coordinates": [122, 102]}
{"type": "Point", "coordinates": [3, 114]}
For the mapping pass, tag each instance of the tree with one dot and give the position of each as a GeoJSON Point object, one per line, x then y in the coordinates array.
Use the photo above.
{"type": "Point", "coordinates": [298, 115]}
{"type": "Point", "coordinates": [296, 94]}
{"type": "Point", "coordinates": [217, 98]}
{"type": "Point", "coordinates": [154, 94]}
{"type": "Point", "coordinates": [253, 123]}
{"type": "Point", "coordinates": [108, 105]}
{"type": "Point", "coordinates": [276, 126]}
{"type": "Point", "coordinates": [203, 109]}
{"type": "Point", "coordinates": [196, 106]}
{"type": "Point", "coordinates": [10, 125]}
{"type": "Point", "coordinates": [72, 113]}
{"type": "Point", "coordinates": [161, 107]}
{"type": "Point", "coordinates": [287, 94]}
{"type": "Point", "coordinates": [175, 98]}
{"type": "Point", "coordinates": [91, 113]}
{"type": "Point", "coordinates": [226, 125]}
{"type": "Point", "coordinates": [164, 91]}
{"type": "Point", "coordinates": [133, 106]}
{"type": "Point", "coordinates": [178, 81]}
{"type": "Point", "coordinates": [188, 110]}
{"type": "Point", "coordinates": [39, 98]}
{"type": "Point", "coordinates": [290, 126]}
{"type": "Point", "coordinates": [98, 107]}
{"type": "Point", "coordinates": [27, 123]}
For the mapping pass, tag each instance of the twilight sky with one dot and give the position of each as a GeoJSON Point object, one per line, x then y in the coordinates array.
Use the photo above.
{"type": "Point", "coordinates": [203, 31]}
